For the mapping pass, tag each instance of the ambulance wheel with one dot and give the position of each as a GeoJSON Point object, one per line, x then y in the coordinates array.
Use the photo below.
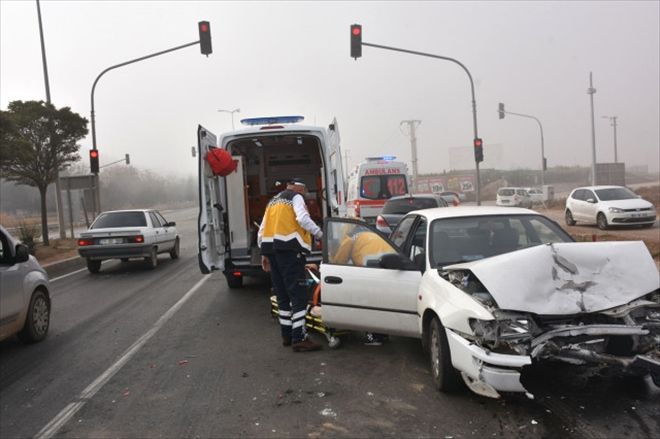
{"type": "Point", "coordinates": [334, 342]}
{"type": "Point", "coordinates": [234, 282]}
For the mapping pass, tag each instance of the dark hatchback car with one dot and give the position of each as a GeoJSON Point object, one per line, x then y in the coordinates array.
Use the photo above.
{"type": "Point", "coordinates": [397, 207]}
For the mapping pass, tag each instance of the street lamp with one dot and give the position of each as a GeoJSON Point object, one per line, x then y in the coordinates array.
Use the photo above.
{"type": "Point", "coordinates": [590, 91]}
{"type": "Point", "coordinates": [236, 110]}
{"type": "Point", "coordinates": [613, 121]}
{"type": "Point", "coordinates": [502, 112]}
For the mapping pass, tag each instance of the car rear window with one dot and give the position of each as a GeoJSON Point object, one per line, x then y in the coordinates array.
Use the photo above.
{"type": "Point", "coordinates": [404, 205]}
{"type": "Point", "coordinates": [505, 192]}
{"type": "Point", "coordinates": [120, 219]}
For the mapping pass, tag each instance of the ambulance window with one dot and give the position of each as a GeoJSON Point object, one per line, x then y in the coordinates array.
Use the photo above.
{"type": "Point", "coordinates": [370, 187]}
{"type": "Point", "coordinates": [396, 184]}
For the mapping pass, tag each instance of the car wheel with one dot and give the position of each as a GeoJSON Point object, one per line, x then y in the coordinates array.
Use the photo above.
{"type": "Point", "coordinates": [647, 226]}
{"type": "Point", "coordinates": [152, 259]}
{"type": "Point", "coordinates": [568, 216]}
{"type": "Point", "coordinates": [37, 319]}
{"type": "Point", "coordinates": [174, 253]}
{"type": "Point", "coordinates": [234, 281]}
{"type": "Point", "coordinates": [601, 221]}
{"type": "Point", "coordinates": [443, 373]}
{"type": "Point", "coordinates": [94, 266]}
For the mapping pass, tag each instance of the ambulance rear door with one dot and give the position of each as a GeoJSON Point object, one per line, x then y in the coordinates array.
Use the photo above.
{"type": "Point", "coordinates": [335, 189]}
{"type": "Point", "coordinates": [212, 208]}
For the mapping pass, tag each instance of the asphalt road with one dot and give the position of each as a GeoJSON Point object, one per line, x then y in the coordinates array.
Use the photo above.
{"type": "Point", "coordinates": [171, 353]}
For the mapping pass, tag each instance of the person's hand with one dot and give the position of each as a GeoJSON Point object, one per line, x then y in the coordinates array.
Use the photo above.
{"type": "Point", "coordinates": [312, 266]}
{"type": "Point", "coordinates": [265, 264]}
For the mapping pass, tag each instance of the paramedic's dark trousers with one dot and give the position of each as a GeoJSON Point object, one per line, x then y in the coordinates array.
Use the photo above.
{"type": "Point", "coordinates": [287, 271]}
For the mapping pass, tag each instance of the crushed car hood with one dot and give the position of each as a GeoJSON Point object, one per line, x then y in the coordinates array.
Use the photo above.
{"type": "Point", "coordinates": [567, 278]}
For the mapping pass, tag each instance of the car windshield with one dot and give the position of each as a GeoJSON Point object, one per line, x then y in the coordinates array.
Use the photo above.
{"type": "Point", "coordinates": [455, 240]}
{"type": "Point", "coordinates": [405, 205]}
{"type": "Point", "coordinates": [119, 219]}
{"type": "Point", "coordinates": [615, 193]}
{"type": "Point", "coordinates": [505, 192]}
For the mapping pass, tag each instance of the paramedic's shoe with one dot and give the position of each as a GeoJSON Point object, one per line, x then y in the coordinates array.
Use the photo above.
{"type": "Point", "coordinates": [306, 346]}
{"type": "Point", "coordinates": [286, 341]}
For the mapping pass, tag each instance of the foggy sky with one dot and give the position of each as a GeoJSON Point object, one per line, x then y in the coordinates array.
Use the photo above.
{"type": "Point", "coordinates": [282, 58]}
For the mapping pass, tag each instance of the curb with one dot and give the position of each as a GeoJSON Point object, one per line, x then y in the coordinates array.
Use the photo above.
{"type": "Point", "coordinates": [64, 266]}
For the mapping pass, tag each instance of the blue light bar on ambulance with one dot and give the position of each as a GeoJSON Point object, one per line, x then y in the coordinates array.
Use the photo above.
{"type": "Point", "coordinates": [272, 120]}
{"type": "Point", "coordinates": [385, 157]}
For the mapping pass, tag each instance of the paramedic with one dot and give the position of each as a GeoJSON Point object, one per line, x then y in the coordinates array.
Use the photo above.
{"type": "Point", "coordinates": [285, 237]}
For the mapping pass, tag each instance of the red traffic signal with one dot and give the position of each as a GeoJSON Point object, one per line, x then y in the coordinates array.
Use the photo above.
{"type": "Point", "coordinates": [94, 161]}
{"type": "Point", "coordinates": [478, 150]}
{"type": "Point", "coordinates": [356, 41]}
{"type": "Point", "coordinates": [205, 38]}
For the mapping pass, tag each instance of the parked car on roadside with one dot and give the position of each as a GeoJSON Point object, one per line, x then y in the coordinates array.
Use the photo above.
{"type": "Point", "coordinates": [513, 196]}
{"type": "Point", "coordinates": [452, 198]}
{"type": "Point", "coordinates": [492, 290]}
{"type": "Point", "coordinates": [126, 234]}
{"type": "Point", "coordinates": [608, 206]}
{"type": "Point", "coordinates": [24, 292]}
{"type": "Point", "coordinates": [397, 207]}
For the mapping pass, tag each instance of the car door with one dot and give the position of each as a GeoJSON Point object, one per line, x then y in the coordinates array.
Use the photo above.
{"type": "Point", "coordinates": [335, 190]}
{"type": "Point", "coordinates": [590, 208]}
{"type": "Point", "coordinates": [170, 231]}
{"type": "Point", "coordinates": [211, 231]}
{"type": "Point", "coordinates": [11, 280]}
{"type": "Point", "coordinates": [158, 231]}
{"type": "Point", "coordinates": [361, 294]}
{"type": "Point", "coordinates": [576, 205]}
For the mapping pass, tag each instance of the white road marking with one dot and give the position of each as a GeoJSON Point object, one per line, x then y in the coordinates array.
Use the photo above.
{"type": "Point", "coordinates": [73, 272]}
{"type": "Point", "coordinates": [71, 409]}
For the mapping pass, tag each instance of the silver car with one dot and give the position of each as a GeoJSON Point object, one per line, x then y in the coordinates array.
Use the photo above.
{"type": "Point", "coordinates": [24, 292]}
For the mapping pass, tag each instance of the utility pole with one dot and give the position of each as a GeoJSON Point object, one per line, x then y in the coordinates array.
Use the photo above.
{"type": "Point", "coordinates": [347, 154]}
{"type": "Point", "coordinates": [613, 121]}
{"type": "Point", "coordinates": [412, 124]}
{"type": "Point", "coordinates": [590, 91]}
{"type": "Point", "coordinates": [58, 195]}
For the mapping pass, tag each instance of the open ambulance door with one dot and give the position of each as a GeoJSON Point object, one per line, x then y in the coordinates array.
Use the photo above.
{"type": "Point", "coordinates": [212, 208]}
{"type": "Point", "coordinates": [335, 188]}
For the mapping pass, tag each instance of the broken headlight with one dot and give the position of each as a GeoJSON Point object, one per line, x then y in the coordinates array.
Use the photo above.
{"type": "Point", "coordinates": [507, 329]}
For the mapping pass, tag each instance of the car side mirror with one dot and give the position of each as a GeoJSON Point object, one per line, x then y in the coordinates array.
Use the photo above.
{"type": "Point", "coordinates": [22, 253]}
{"type": "Point", "coordinates": [395, 261]}
{"type": "Point", "coordinates": [170, 224]}
{"type": "Point", "coordinates": [591, 200]}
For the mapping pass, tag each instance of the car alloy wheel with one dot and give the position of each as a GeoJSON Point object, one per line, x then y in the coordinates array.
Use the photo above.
{"type": "Point", "coordinates": [601, 221]}
{"type": "Point", "coordinates": [37, 320]}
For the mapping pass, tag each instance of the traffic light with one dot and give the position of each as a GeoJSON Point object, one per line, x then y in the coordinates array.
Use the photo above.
{"type": "Point", "coordinates": [128, 159]}
{"type": "Point", "coordinates": [501, 110]}
{"type": "Point", "coordinates": [478, 150]}
{"type": "Point", "coordinates": [356, 41]}
{"type": "Point", "coordinates": [94, 161]}
{"type": "Point", "coordinates": [205, 38]}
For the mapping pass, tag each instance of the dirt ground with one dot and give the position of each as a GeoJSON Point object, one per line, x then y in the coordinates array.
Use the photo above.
{"type": "Point", "coordinates": [589, 232]}
{"type": "Point", "coordinates": [58, 250]}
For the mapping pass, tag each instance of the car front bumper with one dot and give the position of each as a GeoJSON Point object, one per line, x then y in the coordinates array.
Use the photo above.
{"type": "Point", "coordinates": [119, 251]}
{"type": "Point", "coordinates": [486, 373]}
{"type": "Point", "coordinates": [630, 218]}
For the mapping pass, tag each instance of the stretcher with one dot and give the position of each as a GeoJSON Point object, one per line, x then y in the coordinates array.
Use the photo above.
{"type": "Point", "coordinates": [313, 319]}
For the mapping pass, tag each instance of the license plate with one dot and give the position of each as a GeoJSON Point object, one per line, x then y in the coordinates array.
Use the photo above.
{"type": "Point", "coordinates": [111, 241]}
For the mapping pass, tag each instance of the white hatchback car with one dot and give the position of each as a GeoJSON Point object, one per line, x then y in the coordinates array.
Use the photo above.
{"type": "Point", "coordinates": [513, 196]}
{"type": "Point", "coordinates": [24, 292]}
{"type": "Point", "coordinates": [491, 290]}
{"type": "Point", "coordinates": [125, 234]}
{"type": "Point", "coordinates": [608, 206]}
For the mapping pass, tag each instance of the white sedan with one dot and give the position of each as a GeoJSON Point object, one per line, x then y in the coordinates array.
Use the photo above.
{"type": "Point", "coordinates": [125, 234]}
{"type": "Point", "coordinates": [608, 206]}
{"type": "Point", "coordinates": [491, 290]}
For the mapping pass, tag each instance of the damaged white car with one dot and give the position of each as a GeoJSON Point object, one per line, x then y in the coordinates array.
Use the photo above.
{"type": "Point", "coordinates": [490, 290]}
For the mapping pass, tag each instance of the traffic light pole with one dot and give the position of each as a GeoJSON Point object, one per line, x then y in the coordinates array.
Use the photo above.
{"type": "Point", "coordinates": [474, 102]}
{"type": "Point", "coordinates": [542, 145]}
{"type": "Point", "coordinates": [93, 119]}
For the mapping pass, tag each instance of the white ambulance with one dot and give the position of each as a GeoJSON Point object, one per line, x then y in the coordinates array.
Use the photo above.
{"type": "Point", "coordinates": [268, 152]}
{"type": "Point", "coordinates": [372, 183]}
